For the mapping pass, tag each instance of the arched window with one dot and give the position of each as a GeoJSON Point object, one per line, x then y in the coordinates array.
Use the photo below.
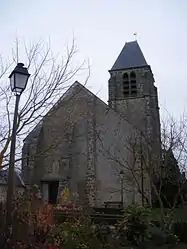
{"type": "Point", "coordinates": [126, 84]}
{"type": "Point", "coordinates": [133, 87]}
{"type": "Point", "coordinates": [125, 76]}
{"type": "Point", "coordinates": [133, 75]}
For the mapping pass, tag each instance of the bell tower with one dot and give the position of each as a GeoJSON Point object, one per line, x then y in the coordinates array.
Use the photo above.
{"type": "Point", "coordinates": [132, 92]}
{"type": "Point", "coordinates": [133, 95]}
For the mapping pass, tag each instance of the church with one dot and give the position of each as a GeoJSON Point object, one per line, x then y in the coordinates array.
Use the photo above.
{"type": "Point", "coordinates": [93, 149]}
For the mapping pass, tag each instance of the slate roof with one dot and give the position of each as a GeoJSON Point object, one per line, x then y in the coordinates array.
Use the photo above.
{"type": "Point", "coordinates": [131, 56]}
{"type": "Point", "coordinates": [4, 178]}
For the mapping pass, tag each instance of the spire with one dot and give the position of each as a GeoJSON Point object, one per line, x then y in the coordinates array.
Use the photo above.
{"type": "Point", "coordinates": [131, 56]}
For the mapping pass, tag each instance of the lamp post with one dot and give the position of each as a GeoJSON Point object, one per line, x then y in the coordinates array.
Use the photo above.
{"type": "Point", "coordinates": [122, 183]}
{"type": "Point", "coordinates": [18, 81]}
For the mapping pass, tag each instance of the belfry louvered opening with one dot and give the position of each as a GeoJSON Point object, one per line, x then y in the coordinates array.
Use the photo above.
{"type": "Point", "coordinates": [129, 85]}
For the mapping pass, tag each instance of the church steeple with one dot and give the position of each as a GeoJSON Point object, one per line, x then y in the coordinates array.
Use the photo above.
{"type": "Point", "coordinates": [132, 91]}
{"type": "Point", "coordinates": [131, 56]}
{"type": "Point", "coordinates": [131, 76]}
{"type": "Point", "coordinates": [133, 95]}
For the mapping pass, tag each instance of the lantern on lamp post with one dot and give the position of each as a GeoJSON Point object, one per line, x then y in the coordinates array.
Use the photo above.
{"type": "Point", "coordinates": [18, 81]}
{"type": "Point", "coordinates": [19, 78]}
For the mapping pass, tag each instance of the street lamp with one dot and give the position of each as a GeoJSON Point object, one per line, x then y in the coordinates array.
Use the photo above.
{"type": "Point", "coordinates": [121, 173]}
{"type": "Point", "coordinates": [18, 81]}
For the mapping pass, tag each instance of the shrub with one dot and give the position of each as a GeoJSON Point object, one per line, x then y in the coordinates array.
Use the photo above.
{"type": "Point", "coordinates": [77, 233]}
{"type": "Point", "coordinates": [34, 226]}
{"type": "Point", "coordinates": [31, 222]}
{"type": "Point", "coordinates": [134, 227]}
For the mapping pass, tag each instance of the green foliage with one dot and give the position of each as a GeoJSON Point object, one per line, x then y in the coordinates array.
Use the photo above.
{"type": "Point", "coordinates": [77, 233]}
{"type": "Point", "coordinates": [135, 225]}
{"type": "Point", "coordinates": [31, 222]}
{"type": "Point", "coordinates": [138, 228]}
{"type": "Point", "coordinates": [34, 226]}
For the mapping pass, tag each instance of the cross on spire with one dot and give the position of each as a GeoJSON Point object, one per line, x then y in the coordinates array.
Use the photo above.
{"type": "Point", "coordinates": [135, 36]}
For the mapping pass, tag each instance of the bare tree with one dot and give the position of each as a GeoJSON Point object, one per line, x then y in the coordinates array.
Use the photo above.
{"type": "Point", "coordinates": [50, 76]}
{"type": "Point", "coordinates": [146, 167]}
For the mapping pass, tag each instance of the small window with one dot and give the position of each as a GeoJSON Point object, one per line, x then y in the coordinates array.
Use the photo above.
{"type": "Point", "coordinates": [133, 93]}
{"type": "Point", "coordinates": [129, 85]}
{"type": "Point", "coordinates": [125, 77]}
{"type": "Point", "coordinates": [133, 86]}
{"type": "Point", "coordinates": [133, 82]}
{"type": "Point", "coordinates": [55, 167]}
{"type": "Point", "coordinates": [126, 84]}
{"type": "Point", "coordinates": [64, 166]}
{"type": "Point", "coordinates": [133, 76]}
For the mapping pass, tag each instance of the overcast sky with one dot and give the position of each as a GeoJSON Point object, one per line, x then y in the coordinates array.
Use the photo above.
{"type": "Point", "coordinates": [101, 28]}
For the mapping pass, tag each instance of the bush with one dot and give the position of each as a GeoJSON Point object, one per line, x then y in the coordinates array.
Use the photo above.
{"type": "Point", "coordinates": [34, 227]}
{"type": "Point", "coordinates": [134, 228]}
{"type": "Point", "coordinates": [31, 222]}
{"type": "Point", "coordinates": [77, 233]}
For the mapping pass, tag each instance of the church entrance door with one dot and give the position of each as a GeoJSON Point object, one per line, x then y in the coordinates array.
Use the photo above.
{"type": "Point", "coordinates": [53, 191]}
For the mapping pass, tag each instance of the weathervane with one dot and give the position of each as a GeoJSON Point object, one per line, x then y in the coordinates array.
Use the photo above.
{"type": "Point", "coordinates": [135, 36]}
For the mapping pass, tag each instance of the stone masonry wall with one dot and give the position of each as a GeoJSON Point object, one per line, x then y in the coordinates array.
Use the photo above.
{"type": "Point", "coordinates": [91, 153]}
{"type": "Point", "coordinates": [71, 125]}
{"type": "Point", "coordinates": [142, 113]}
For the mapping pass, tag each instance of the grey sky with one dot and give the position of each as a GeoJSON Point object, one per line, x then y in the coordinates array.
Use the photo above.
{"type": "Point", "coordinates": [101, 28]}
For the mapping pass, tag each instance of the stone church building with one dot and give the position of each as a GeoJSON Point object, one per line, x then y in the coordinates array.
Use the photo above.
{"type": "Point", "coordinates": [83, 144]}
